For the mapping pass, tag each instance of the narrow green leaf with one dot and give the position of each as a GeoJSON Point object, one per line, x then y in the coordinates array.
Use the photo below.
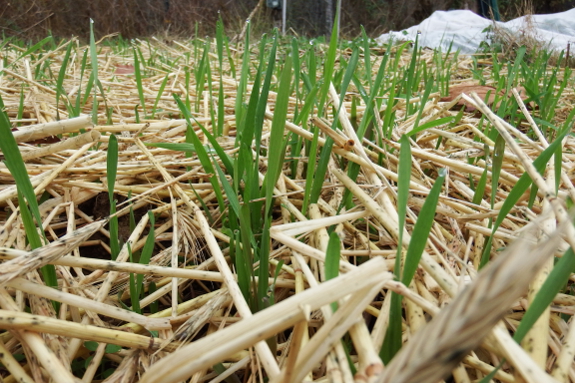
{"type": "Point", "coordinates": [94, 75]}
{"type": "Point", "coordinates": [392, 341]}
{"type": "Point", "coordinates": [139, 85]}
{"type": "Point", "coordinates": [276, 150]}
{"type": "Point", "coordinates": [551, 287]}
{"type": "Point", "coordinates": [32, 49]}
{"type": "Point", "coordinates": [480, 189]}
{"type": "Point", "coordinates": [421, 230]}
{"type": "Point", "coordinates": [59, 83]}
{"type": "Point", "coordinates": [112, 164]}
{"type": "Point", "coordinates": [15, 164]}
{"type": "Point", "coordinates": [328, 69]}
{"type": "Point", "coordinates": [519, 189]}
{"type": "Point", "coordinates": [244, 76]}
{"type": "Point", "coordinates": [332, 257]}
{"type": "Point", "coordinates": [147, 252]}
{"type": "Point", "coordinates": [201, 152]}
{"type": "Point", "coordinates": [496, 165]}
{"type": "Point", "coordinates": [134, 296]}
{"type": "Point", "coordinates": [432, 124]}
{"type": "Point", "coordinates": [179, 147]}
{"type": "Point", "coordinates": [265, 300]}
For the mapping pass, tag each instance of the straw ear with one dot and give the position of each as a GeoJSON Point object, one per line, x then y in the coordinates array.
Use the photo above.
{"type": "Point", "coordinates": [434, 351]}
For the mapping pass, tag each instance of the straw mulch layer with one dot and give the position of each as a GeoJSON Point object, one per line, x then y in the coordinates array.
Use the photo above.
{"type": "Point", "coordinates": [197, 325]}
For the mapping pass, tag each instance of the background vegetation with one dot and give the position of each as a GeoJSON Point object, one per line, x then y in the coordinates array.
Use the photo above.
{"type": "Point", "coordinates": [135, 18]}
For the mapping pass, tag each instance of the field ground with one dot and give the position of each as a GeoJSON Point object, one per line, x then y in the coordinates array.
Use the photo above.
{"type": "Point", "coordinates": [212, 213]}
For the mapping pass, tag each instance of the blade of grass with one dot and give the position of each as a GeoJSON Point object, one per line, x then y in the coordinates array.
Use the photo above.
{"type": "Point", "coordinates": [139, 85]}
{"type": "Point", "coordinates": [94, 76]}
{"type": "Point", "coordinates": [32, 49]}
{"type": "Point", "coordinates": [202, 153]}
{"type": "Point", "coordinates": [59, 83]}
{"type": "Point", "coordinates": [276, 152]}
{"type": "Point", "coordinates": [544, 298]}
{"type": "Point", "coordinates": [332, 257]}
{"type": "Point", "coordinates": [159, 95]}
{"type": "Point", "coordinates": [15, 164]}
{"type": "Point", "coordinates": [556, 280]}
{"type": "Point", "coordinates": [520, 188]}
{"type": "Point", "coordinates": [244, 75]}
{"type": "Point", "coordinates": [78, 105]}
{"type": "Point", "coordinates": [146, 255]}
{"type": "Point", "coordinates": [421, 229]}
{"type": "Point", "coordinates": [392, 341]}
{"type": "Point", "coordinates": [328, 70]}
{"type": "Point", "coordinates": [263, 99]}
{"type": "Point", "coordinates": [134, 297]}
{"type": "Point", "coordinates": [111, 172]}
{"type": "Point", "coordinates": [20, 105]}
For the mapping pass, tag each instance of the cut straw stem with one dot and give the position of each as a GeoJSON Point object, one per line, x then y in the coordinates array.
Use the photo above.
{"type": "Point", "coordinates": [215, 347]}
{"type": "Point", "coordinates": [36, 132]}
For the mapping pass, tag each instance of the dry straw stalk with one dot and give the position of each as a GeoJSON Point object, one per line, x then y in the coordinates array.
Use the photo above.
{"type": "Point", "coordinates": [195, 318]}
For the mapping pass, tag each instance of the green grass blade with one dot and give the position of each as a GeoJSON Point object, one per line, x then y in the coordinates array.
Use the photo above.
{"type": "Point", "coordinates": [421, 230]}
{"type": "Point", "coordinates": [32, 49]}
{"type": "Point", "coordinates": [201, 152]}
{"type": "Point", "coordinates": [181, 147]}
{"type": "Point", "coordinates": [307, 105]}
{"type": "Point", "coordinates": [111, 173]}
{"type": "Point", "coordinates": [15, 164]}
{"type": "Point", "coordinates": [558, 158]}
{"type": "Point", "coordinates": [244, 76]}
{"type": "Point", "coordinates": [220, 43]}
{"type": "Point", "coordinates": [60, 81]}
{"type": "Point", "coordinates": [112, 163]}
{"type": "Point", "coordinates": [332, 257]}
{"type": "Point", "coordinates": [328, 69]}
{"type": "Point", "coordinates": [139, 85]}
{"type": "Point", "coordinates": [551, 287]}
{"type": "Point", "coordinates": [433, 124]}
{"type": "Point", "coordinates": [233, 200]}
{"type": "Point", "coordinates": [480, 188]}
{"type": "Point", "coordinates": [310, 175]}
{"type": "Point", "coordinates": [404, 177]}
{"type": "Point", "coordinates": [544, 298]}
{"type": "Point", "coordinates": [392, 341]}
{"type": "Point", "coordinates": [265, 300]}
{"type": "Point", "coordinates": [20, 105]}
{"type": "Point", "coordinates": [428, 87]}
{"type": "Point", "coordinates": [519, 189]}
{"type": "Point", "coordinates": [246, 255]}
{"type": "Point", "coordinates": [134, 296]}
{"type": "Point", "coordinates": [159, 95]}
{"type": "Point", "coordinates": [94, 76]}
{"type": "Point", "coordinates": [201, 71]}
{"type": "Point", "coordinates": [321, 169]}
{"type": "Point", "coordinates": [496, 165]}
{"type": "Point", "coordinates": [263, 99]}
{"type": "Point", "coordinates": [147, 252]}
{"type": "Point", "coordinates": [48, 271]}
{"type": "Point", "coordinates": [367, 58]}
{"type": "Point", "coordinates": [78, 104]}
{"type": "Point", "coordinates": [411, 77]}
{"type": "Point", "coordinates": [276, 150]}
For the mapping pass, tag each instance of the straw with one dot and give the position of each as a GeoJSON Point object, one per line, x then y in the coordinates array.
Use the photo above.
{"type": "Point", "coordinates": [237, 165]}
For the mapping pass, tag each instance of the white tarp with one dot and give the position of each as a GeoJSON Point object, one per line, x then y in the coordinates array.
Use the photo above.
{"type": "Point", "coordinates": [466, 30]}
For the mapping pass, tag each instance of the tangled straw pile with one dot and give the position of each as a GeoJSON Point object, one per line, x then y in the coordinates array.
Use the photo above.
{"type": "Point", "coordinates": [196, 323]}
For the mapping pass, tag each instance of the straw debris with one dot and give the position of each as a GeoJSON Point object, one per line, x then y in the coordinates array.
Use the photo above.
{"type": "Point", "coordinates": [192, 320]}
